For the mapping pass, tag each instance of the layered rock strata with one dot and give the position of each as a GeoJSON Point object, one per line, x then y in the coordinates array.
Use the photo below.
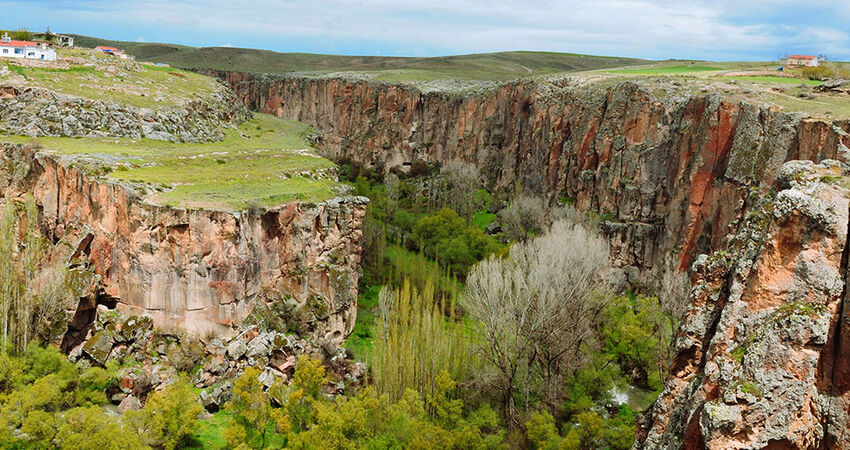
{"type": "Point", "coordinates": [761, 360]}
{"type": "Point", "coordinates": [197, 270]}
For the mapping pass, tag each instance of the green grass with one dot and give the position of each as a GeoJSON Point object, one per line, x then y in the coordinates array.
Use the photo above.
{"type": "Point", "coordinates": [265, 162]}
{"type": "Point", "coordinates": [769, 79]}
{"type": "Point", "coordinates": [668, 70]}
{"type": "Point", "coordinates": [97, 76]}
{"type": "Point", "coordinates": [483, 218]}
{"type": "Point", "coordinates": [210, 434]}
{"type": "Point", "coordinates": [360, 341]}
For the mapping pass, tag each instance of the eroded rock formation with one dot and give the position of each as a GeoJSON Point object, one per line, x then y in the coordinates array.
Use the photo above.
{"type": "Point", "coordinates": [196, 270]}
{"type": "Point", "coordinates": [762, 357]}
{"type": "Point", "coordinates": [759, 359]}
{"type": "Point", "coordinates": [34, 111]}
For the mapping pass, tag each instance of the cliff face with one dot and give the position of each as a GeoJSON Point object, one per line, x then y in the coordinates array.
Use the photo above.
{"type": "Point", "coordinates": [761, 359]}
{"type": "Point", "coordinates": [197, 270]}
{"type": "Point", "coordinates": [673, 174]}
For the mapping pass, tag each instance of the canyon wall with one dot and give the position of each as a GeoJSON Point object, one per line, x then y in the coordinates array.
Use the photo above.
{"type": "Point", "coordinates": [672, 174]}
{"type": "Point", "coordinates": [761, 359]}
{"type": "Point", "coordinates": [196, 270]}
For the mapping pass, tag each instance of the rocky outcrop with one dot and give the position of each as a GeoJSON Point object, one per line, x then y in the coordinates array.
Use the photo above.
{"type": "Point", "coordinates": [151, 359]}
{"type": "Point", "coordinates": [671, 173]}
{"type": "Point", "coordinates": [34, 112]}
{"type": "Point", "coordinates": [756, 359]}
{"type": "Point", "coordinates": [197, 270]}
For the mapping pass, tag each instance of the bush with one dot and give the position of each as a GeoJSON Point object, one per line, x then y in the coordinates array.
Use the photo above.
{"type": "Point", "coordinates": [170, 416]}
{"type": "Point", "coordinates": [447, 237]}
{"type": "Point", "coordinates": [816, 73]}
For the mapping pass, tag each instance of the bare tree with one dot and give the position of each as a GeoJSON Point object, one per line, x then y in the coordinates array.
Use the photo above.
{"type": "Point", "coordinates": [525, 217]}
{"type": "Point", "coordinates": [459, 180]}
{"type": "Point", "coordinates": [536, 308]}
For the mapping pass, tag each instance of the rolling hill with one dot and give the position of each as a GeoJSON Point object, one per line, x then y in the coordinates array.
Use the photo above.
{"type": "Point", "coordinates": [499, 66]}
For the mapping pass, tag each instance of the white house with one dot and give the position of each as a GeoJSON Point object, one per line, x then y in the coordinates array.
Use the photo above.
{"type": "Point", "coordinates": [10, 48]}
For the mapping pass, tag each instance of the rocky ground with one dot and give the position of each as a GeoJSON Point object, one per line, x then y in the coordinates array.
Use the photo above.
{"type": "Point", "coordinates": [89, 94]}
{"type": "Point", "coordinates": [150, 358]}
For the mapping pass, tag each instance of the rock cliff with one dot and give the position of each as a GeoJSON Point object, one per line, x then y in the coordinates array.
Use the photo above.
{"type": "Point", "coordinates": [197, 270]}
{"type": "Point", "coordinates": [671, 173]}
{"type": "Point", "coordinates": [761, 357]}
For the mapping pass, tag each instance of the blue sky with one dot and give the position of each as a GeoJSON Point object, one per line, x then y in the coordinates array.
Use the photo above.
{"type": "Point", "coordinates": [657, 29]}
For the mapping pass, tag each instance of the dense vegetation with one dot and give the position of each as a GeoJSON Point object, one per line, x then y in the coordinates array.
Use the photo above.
{"type": "Point", "coordinates": [504, 338]}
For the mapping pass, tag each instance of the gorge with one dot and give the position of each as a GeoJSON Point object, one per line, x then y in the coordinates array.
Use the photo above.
{"type": "Point", "coordinates": [721, 184]}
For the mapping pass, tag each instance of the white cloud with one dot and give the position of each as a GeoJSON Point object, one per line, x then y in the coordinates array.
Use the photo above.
{"type": "Point", "coordinates": [651, 28]}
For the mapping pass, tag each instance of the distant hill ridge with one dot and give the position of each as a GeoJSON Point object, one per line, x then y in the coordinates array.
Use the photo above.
{"type": "Point", "coordinates": [499, 66]}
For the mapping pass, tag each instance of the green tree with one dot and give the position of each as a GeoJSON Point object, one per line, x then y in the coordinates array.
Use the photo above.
{"type": "Point", "coordinates": [253, 415]}
{"type": "Point", "coordinates": [92, 428]}
{"type": "Point", "coordinates": [415, 341]}
{"type": "Point", "coordinates": [170, 416]}
{"type": "Point", "coordinates": [21, 35]}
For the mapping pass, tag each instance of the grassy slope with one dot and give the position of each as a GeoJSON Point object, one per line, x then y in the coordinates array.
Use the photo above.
{"type": "Point", "coordinates": [264, 162]}
{"type": "Point", "coordinates": [487, 66]}
{"type": "Point", "coordinates": [97, 76]}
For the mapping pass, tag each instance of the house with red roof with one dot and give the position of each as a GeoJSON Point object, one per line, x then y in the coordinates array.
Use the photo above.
{"type": "Point", "coordinates": [802, 61]}
{"type": "Point", "coordinates": [112, 51]}
{"type": "Point", "coordinates": [11, 48]}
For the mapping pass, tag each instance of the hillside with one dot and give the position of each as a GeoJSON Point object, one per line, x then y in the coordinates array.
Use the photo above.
{"type": "Point", "coordinates": [178, 138]}
{"type": "Point", "coordinates": [486, 66]}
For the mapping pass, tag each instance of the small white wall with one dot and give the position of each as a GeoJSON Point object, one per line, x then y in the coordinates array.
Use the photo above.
{"type": "Point", "coordinates": [12, 52]}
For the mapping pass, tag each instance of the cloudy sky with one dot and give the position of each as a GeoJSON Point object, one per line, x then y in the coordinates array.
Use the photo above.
{"type": "Point", "coordinates": [657, 29]}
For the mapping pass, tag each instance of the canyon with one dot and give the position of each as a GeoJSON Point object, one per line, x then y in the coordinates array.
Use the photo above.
{"type": "Point", "coordinates": [747, 196]}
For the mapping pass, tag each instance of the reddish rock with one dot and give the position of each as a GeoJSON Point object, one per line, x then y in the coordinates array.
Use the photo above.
{"type": "Point", "coordinates": [198, 270]}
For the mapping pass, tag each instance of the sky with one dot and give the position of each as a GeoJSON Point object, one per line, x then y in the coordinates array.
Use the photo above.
{"type": "Point", "coordinates": [719, 30]}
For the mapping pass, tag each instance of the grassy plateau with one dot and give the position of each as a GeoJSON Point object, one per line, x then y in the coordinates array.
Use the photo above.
{"type": "Point", "coordinates": [265, 161]}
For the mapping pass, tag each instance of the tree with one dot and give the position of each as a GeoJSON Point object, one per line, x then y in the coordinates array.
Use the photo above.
{"type": "Point", "coordinates": [93, 428]}
{"type": "Point", "coordinates": [447, 237]}
{"type": "Point", "coordinates": [524, 218]}
{"type": "Point", "coordinates": [21, 35]}
{"type": "Point", "coordinates": [170, 416]}
{"type": "Point", "coordinates": [36, 291]}
{"type": "Point", "coordinates": [535, 310]}
{"type": "Point", "coordinates": [415, 341]}
{"type": "Point", "coordinates": [252, 411]}
{"type": "Point", "coordinates": [457, 184]}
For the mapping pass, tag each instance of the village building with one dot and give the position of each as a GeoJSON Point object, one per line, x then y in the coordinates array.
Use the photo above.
{"type": "Point", "coordinates": [10, 48]}
{"type": "Point", "coordinates": [54, 39]}
{"type": "Point", "coordinates": [801, 61]}
{"type": "Point", "coordinates": [112, 51]}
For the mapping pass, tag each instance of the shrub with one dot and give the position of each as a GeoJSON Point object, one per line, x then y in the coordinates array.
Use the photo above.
{"type": "Point", "coordinates": [816, 73]}
{"type": "Point", "coordinates": [170, 416]}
